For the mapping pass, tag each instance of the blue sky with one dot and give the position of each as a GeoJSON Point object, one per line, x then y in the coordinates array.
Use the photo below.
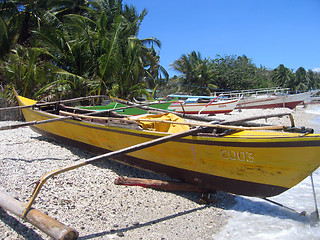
{"type": "Point", "coordinates": [270, 32]}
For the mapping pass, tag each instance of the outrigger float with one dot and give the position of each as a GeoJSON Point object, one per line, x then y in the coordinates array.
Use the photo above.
{"type": "Point", "coordinates": [247, 160]}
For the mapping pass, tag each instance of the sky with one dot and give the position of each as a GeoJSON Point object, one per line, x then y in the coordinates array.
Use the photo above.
{"type": "Point", "coordinates": [270, 32]}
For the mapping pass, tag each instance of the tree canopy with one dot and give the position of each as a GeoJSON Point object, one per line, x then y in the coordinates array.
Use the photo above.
{"type": "Point", "coordinates": [59, 49]}
{"type": "Point", "coordinates": [203, 75]}
{"type": "Point", "coordinates": [76, 48]}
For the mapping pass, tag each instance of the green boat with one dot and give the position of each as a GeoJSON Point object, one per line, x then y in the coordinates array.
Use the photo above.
{"type": "Point", "coordinates": [128, 111]}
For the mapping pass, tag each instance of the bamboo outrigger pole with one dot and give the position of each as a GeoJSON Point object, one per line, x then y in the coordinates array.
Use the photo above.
{"type": "Point", "coordinates": [52, 227]}
{"type": "Point", "coordinates": [223, 125]}
{"type": "Point", "coordinates": [117, 153]}
{"type": "Point", "coordinates": [201, 118]}
{"type": "Point", "coordinates": [39, 104]}
{"type": "Point", "coordinates": [25, 124]}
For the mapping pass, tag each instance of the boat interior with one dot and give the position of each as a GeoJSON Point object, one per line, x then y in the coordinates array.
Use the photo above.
{"type": "Point", "coordinates": [112, 119]}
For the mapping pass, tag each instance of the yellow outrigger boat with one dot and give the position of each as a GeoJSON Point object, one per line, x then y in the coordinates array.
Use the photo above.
{"type": "Point", "coordinates": [244, 162]}
{"type": "Point", "coordinates": [241, 160]}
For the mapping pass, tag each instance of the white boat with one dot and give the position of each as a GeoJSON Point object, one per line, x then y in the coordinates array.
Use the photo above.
{"type": "Point", "coordinates": [202, 104]}
{"type": "Point", "coordinates": [275, 98]}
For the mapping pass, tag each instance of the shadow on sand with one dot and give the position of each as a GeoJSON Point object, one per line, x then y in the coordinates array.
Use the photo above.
{"type": "Point", "coordinates": [225, 201]}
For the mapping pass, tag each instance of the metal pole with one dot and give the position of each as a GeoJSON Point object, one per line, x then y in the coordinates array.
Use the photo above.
{"type": "Point", "coordinates": [314, 216]}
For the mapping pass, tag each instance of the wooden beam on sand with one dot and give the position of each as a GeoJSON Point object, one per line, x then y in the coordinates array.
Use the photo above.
{"type": "Point", "coordinates": [160, 185]}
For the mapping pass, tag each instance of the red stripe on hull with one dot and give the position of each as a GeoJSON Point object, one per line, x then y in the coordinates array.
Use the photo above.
{"type": "Point", "coordinates": [205, 112]}
{"type": "Point", "coordinates": [290, 105]}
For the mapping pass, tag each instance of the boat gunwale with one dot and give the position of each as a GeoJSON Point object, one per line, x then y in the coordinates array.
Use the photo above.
{"type": "Point", "coordinates": [206, 103]}
{"type": "Point", "coordinates": [234, 141]}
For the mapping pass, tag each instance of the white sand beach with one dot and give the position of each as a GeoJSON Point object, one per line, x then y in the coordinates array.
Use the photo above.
{"type": "Point", "coordinates": [88, 200]}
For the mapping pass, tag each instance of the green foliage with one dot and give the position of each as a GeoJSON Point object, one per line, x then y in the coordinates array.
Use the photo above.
{"type": "Point", "coordinates": [25, 69]}
{"type": "Point", "coordinates": [195, 71]}
{"type": "Point", "coordinates": [59, 49]}
{"type": "Point", "coordinates": [90, 49]}
{"type": "Point", "coordinates": [220, 73]}
{"type": "Point", "coordinates": [283, 77]}
{"type": "Point", "coordinates": [300, 80]}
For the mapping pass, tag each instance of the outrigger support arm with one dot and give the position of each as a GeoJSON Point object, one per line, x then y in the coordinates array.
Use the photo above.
{"type": "Point", "coordinates": [206, 119]}
{"type": "Point", "coordinates": [120, 152]}
{"type": "Point", "coordinates": [40, 104]}
{"type": "Point", "coordinates": [314, 216]}
{"type": "Point", "coordinates": [303, 213]}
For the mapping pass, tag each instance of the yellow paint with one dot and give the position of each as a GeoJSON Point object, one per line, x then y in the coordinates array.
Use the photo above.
{"type": "Point", "coordinates": [279, 166]}
{"type": "Point", "coordinates": [27, 101]}
{"type": "Point", "coordinates": [164, 127]}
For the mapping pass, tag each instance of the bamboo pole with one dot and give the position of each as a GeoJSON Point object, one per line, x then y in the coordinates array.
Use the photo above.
{"type": "Point", "coordinates": [180, 123]}
{"type": "Point", "coordinates": [54, 228]}
{"type": "Point", "coordinates": [215, 125]}
{"type": "Point", "coordinates": [52, 103]}
{"type": "Point", "coordinates": [207, 119]}
{"type": "Point", "coordinates": [262, 117]}
{"type": "Point", "coordinates": [223, 125]}
{"type": "Point", "coordinates": [50, 226]}
{"type": "Point", "coordinates": [113, 154]}
{"type": "Point", "coordinates": [97, 117]}
{"type": "Point", "coordinates": [25, 124]}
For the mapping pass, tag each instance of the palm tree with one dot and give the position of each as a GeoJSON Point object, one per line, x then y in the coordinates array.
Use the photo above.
{"type": "Point", "coordinates": [91, 46]}
{"type": "Point", "coordinates": [196, 72]}
{"type": "Point", "coordinates": [26, 71]}
{"type": "Point", "coordinates": [314, 82]}
{"type": "Point", "coordinates": [283, 77]}
{"type": "Point", "coordinates": [302, 80]}
{"type": "Point", "coordinates": [23, 17]}
{"type": "Point", "coordinates": [103, 48]}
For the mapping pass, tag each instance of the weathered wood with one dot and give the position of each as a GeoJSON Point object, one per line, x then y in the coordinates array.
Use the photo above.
{"type": "Point", "coordinates": [179, 123]}
{"type": "Point", "coordinates": [95, 117]}
{"type": "Point", "coordinates": [25, 124]}
{"type": "Point", "coordinates": [241, 120]}
{"type": "Point", "coordinates": [26, 211]}
{"type": "Point", "coordinates": [114, 154]}
{"type": "Point", "coordinates": [160, 185]}
{"type": "Point", "coordinates": [52, 103]}
{"type": "Point", "coordinates": [225, 124]}
{"type": "Point", "coordinates": [215, 125]}
{"type": "Point", "coordinates": [50, 226]}
{"type": "Point", "coordinates": [207, 119]}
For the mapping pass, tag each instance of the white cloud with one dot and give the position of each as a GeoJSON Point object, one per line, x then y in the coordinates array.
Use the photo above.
{"type": "Point", "coordinates": [316, 69]}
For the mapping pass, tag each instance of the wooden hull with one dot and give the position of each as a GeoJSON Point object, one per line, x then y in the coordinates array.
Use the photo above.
{"type": "Point", "coordinates": [260, 164]}
{"type": "Point", "coordinates": [204, 108]}
{"type": "Point", "coordinates": [274, 101]}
